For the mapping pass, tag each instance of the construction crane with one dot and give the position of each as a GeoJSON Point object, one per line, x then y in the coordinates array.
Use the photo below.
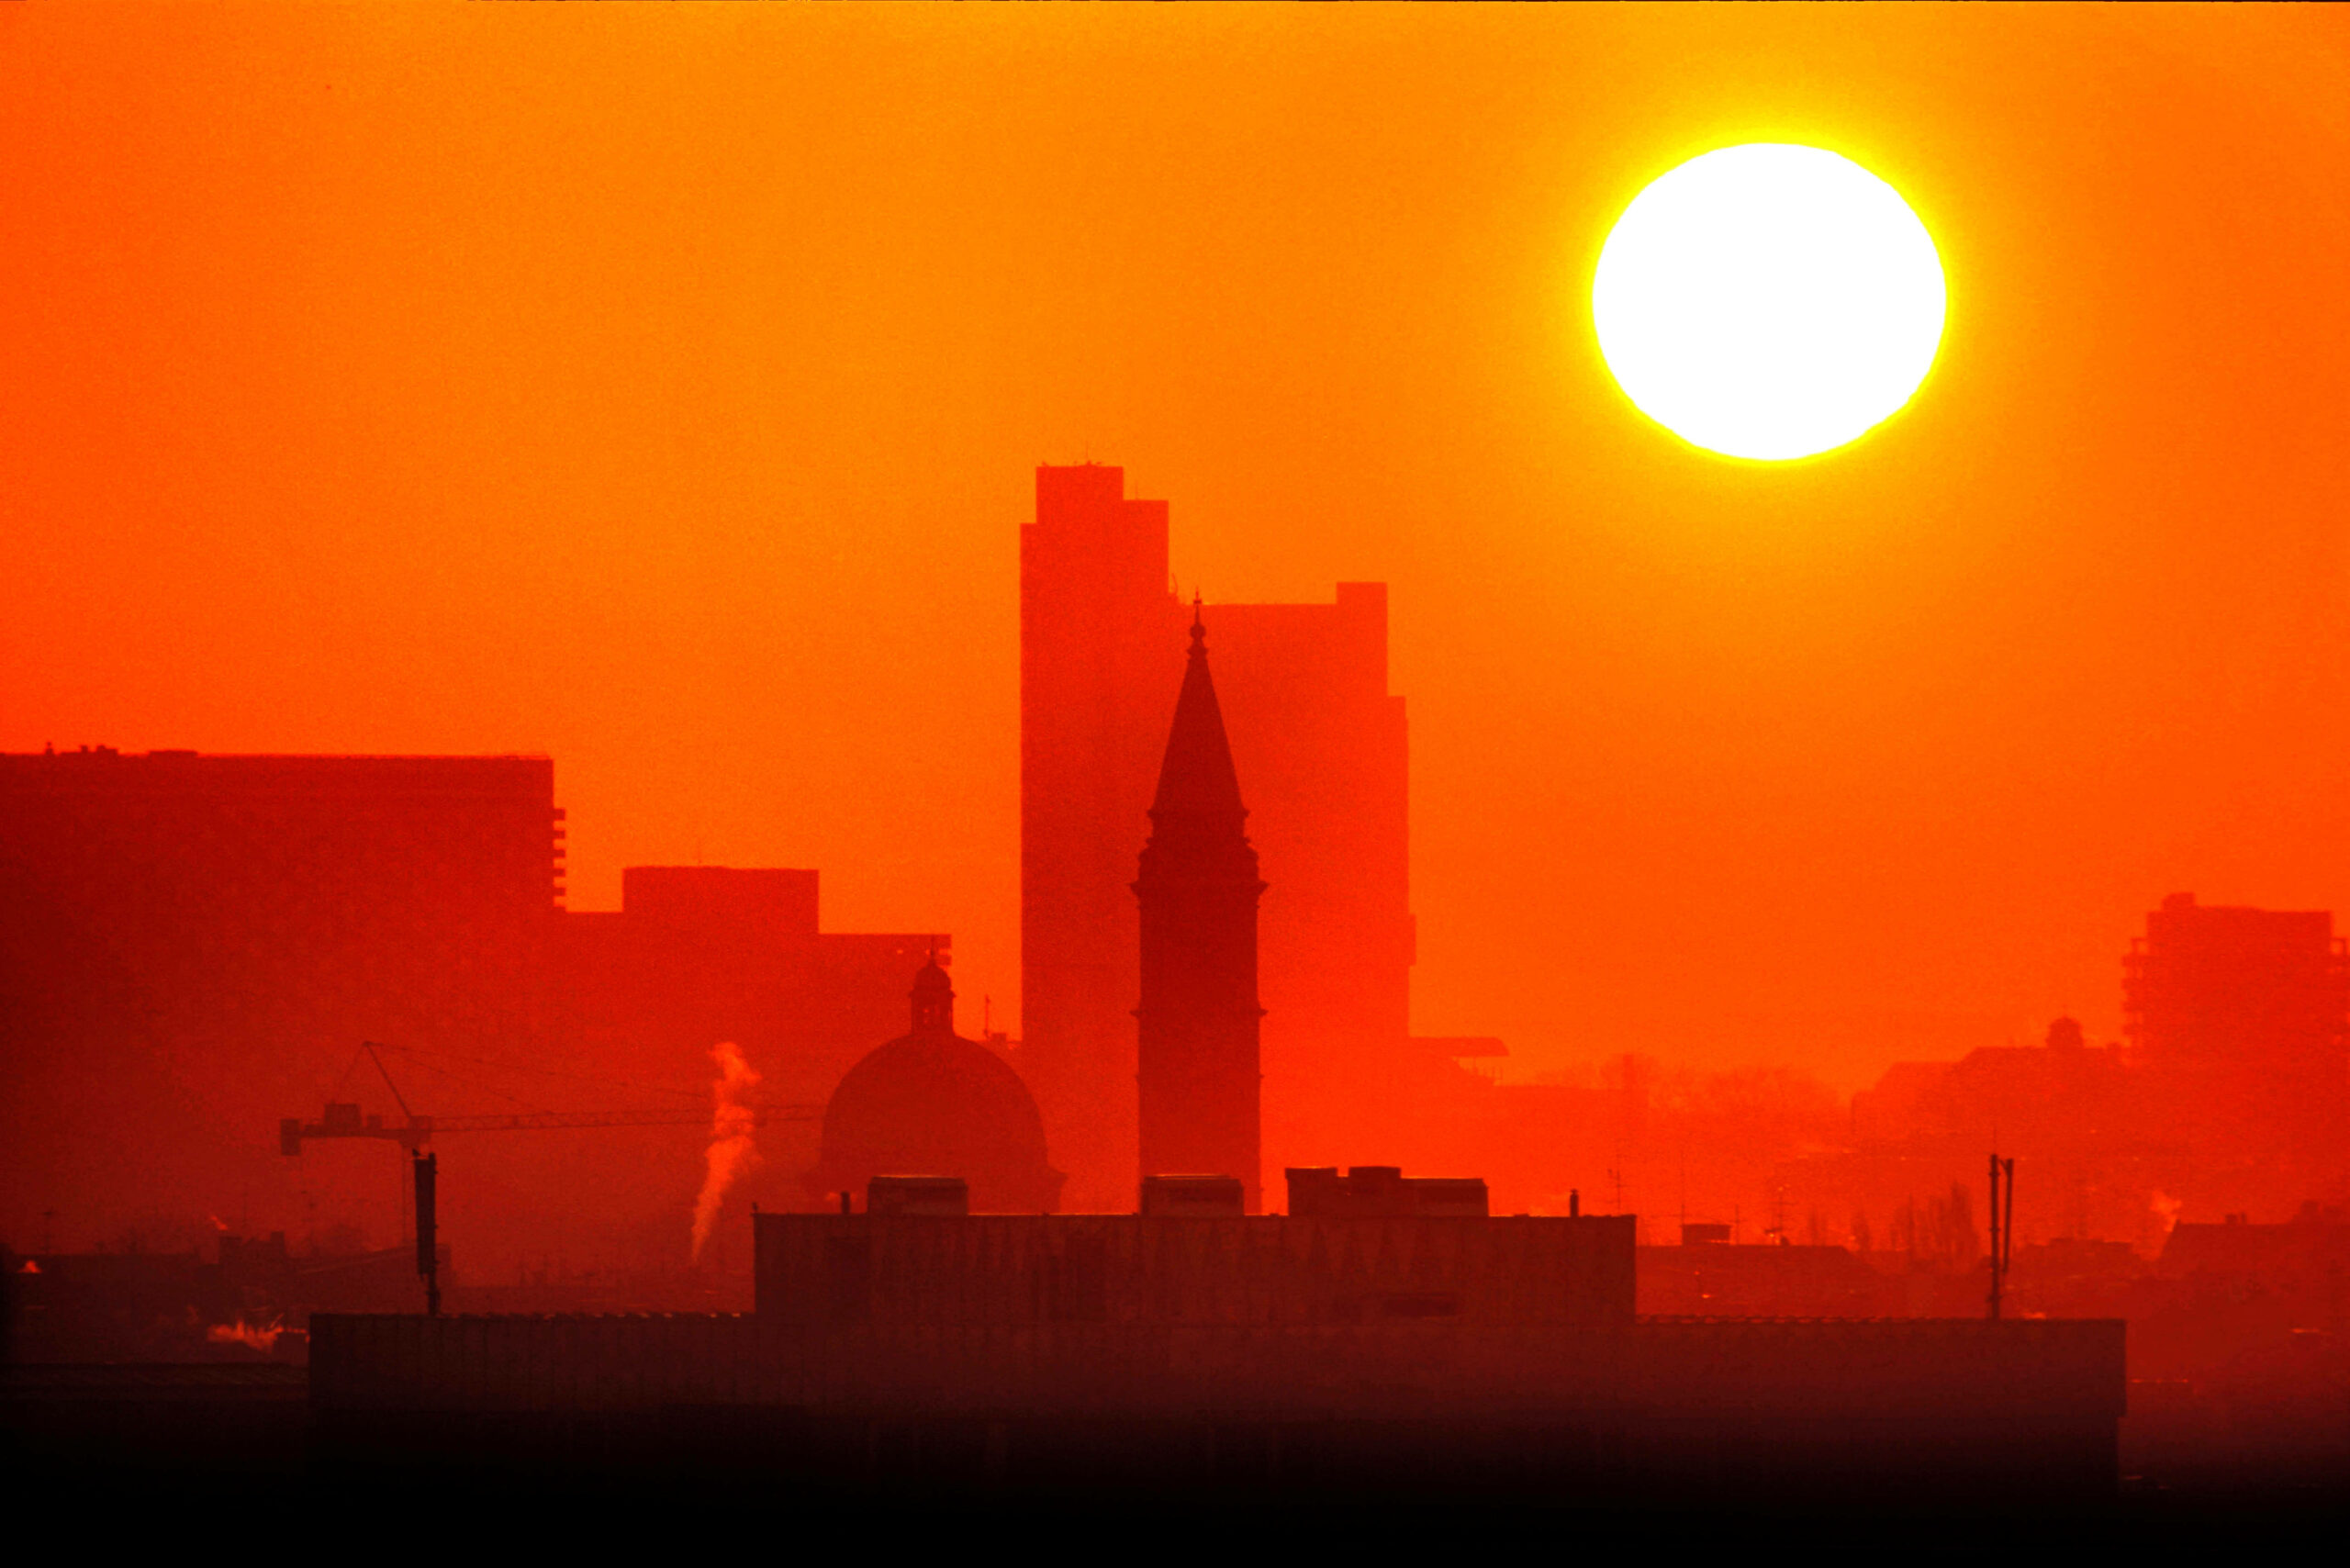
{"type": "Point", "coordinates": [342, 1120]}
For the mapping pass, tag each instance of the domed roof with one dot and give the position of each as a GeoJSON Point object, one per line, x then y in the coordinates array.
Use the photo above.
{"type": "Point", "coordinates": [933, 1103]}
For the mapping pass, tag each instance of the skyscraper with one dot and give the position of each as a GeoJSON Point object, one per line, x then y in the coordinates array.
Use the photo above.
{"type": "Point", "coordinates": [1097, 681]}
{"type": "Point", "coordinates": [1198, 1075]}
{"type": "Point", "coordinates": [2241, 1017]}
{"type": "Point", "coordinates": [1303, 693]}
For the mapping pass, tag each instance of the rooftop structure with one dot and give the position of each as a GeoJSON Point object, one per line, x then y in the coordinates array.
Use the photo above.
{"type": "Point", "coordinates": [1383, 1192]}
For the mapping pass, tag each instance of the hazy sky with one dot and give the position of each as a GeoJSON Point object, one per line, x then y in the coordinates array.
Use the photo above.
{"type": "Point", "coordinates": [660, 387]}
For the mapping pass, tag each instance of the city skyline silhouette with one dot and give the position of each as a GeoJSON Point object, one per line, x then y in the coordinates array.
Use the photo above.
{"type": "Point", "coordinates": [497, 505]}
{"type": "Point", "coordinates": [2033, 656]}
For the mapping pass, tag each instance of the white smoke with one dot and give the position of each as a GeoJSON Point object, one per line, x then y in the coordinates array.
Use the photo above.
{"type": "Point", "coordinates": [732, 1152]}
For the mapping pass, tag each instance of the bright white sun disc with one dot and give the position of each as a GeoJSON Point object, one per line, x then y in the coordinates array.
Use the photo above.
{"type": "Point", "coordinates": [1769, 301]}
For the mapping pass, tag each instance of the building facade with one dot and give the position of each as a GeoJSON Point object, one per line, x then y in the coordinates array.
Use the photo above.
{"type": "Point", "coordinates": [2240, 1021]}
{"type": "Point", "coordinates": [1312, 726]}
{"type": "Point", "coordinates": [190, 946]}
{"type": "Point", "coordinates": [1375, 1355]}
{"type": "Point", "coordinates": [699, 954]}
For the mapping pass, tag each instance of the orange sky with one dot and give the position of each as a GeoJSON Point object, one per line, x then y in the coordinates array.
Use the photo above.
{"type": "Point", "coordinates": [660, 387]}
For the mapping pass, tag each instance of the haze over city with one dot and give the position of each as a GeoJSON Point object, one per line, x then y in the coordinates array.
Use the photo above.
{"type": "Point", "coordinates": [660, 398]}
{"type": "Point", "coordinates": [615, 581]}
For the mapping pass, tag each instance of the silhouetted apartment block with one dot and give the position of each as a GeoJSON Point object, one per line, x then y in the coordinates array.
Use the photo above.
{"type": "Point", "coordinates": [699, 954]}
{"type": "Point", "coordinates": [192, 948]}
{"type": "Point", "coordinates": [2241, 1019]}
{"type": "Point", "coordinates": [1312, 727]}
{"type": "Point", "coordinates": [188, 942]}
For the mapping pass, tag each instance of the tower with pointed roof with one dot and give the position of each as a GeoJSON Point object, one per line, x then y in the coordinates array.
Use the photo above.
{"type": "Point", "coordinates": [1198, 1072]}
{"type": "Point", "coordinates": [1303, 690]}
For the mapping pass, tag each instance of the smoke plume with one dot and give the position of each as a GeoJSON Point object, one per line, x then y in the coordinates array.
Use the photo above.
{"type": "Point", "coordinates": [262, 1336]}
{"type": "Point", "coordinates": [733, 1153]}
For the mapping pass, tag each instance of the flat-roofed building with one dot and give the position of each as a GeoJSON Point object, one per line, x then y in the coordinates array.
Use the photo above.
{"type": "Point", "coordinates": [913, 1347]}
{"type": "Point", "coordinates": [699, 954]}
{"type": "Point", "coordinates": [192, 948]}
{"type": "Point", "coordinates": [2239, 1018]}
{"type": "Point", "coordinates": [192, 945]}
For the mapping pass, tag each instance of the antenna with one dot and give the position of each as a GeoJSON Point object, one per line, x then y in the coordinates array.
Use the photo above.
{"type": "Point", "coordinates": [2003, 1227]}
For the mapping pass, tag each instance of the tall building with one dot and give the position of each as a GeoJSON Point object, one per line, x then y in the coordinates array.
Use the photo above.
{"type": "Point", "coordinates": [2241, 1020]}
{"type": "Point", "coordinates": [1098, 625]}
{"type": "Point", "coordinates": [1198, 1074]}
{"type": "Point", "coordinates": [192, 946]}
{"type": "Point", "coordinates": [1303, 690]}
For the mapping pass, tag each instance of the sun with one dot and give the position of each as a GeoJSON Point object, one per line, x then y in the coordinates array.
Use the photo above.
{"type": "Point", "coordinates": [1769, 301]}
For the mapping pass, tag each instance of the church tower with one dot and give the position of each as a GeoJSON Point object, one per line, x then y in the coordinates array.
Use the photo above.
{"type": "Point", "coordinates": [1197, 1058]}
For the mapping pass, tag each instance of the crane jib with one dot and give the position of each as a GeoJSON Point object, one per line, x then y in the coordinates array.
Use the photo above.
{"type": "Point", "coordinates": [342, 1120]}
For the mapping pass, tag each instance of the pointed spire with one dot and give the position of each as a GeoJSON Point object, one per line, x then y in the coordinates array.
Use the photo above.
{"type": "Point", "coordinates": [1197, 777]}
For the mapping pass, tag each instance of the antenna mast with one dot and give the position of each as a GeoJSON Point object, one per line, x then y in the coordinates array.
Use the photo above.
{"type": "Point", "coordinates": [2003, 1227]}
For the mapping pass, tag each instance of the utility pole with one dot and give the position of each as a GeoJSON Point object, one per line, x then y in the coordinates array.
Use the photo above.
{"type": "Point", "coordinates": [2003, 1227]}
{"type": "Point", "coordinates": [428, 1250]}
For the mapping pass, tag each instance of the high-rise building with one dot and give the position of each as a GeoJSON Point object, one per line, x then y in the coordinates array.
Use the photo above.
{"type": "Point", "coordinates": [2241, 1020]}
{"type": "Point", "coordinates": [1303, 690]}
{"type": "Point", "coordinates": [192, 946]}
{"type": "Point", "coordinates": [1098, 625]}
{"type": "Point", "coordinates": [192, 949]}
{"type": "Point", "coordinates": [1198, 1076]}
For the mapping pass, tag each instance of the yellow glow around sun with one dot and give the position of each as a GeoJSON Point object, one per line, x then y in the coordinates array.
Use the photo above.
{"type": "Point", "coordinates": [1769, 301]}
